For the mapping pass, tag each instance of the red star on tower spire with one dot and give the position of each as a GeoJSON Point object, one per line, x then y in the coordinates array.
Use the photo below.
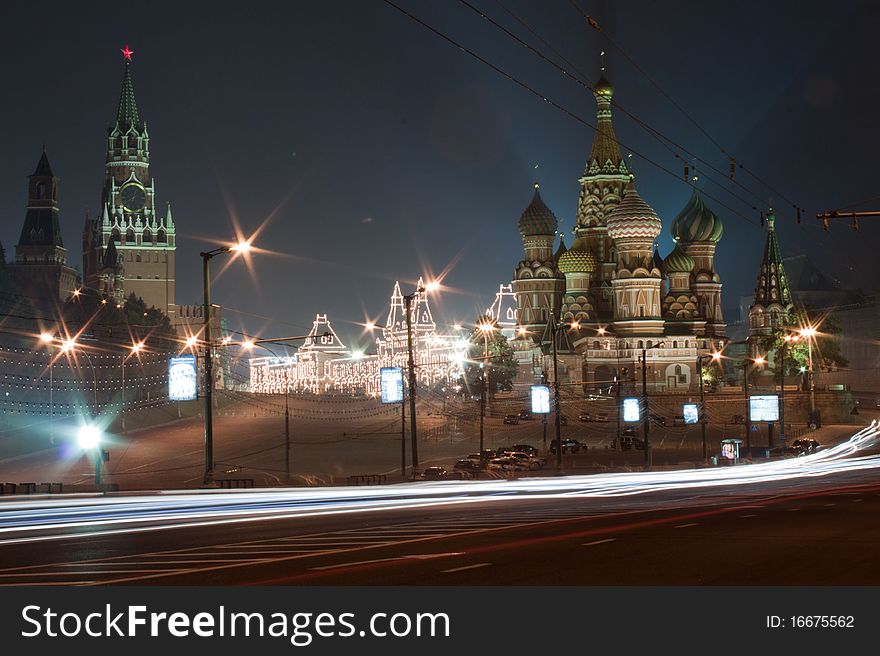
{"type": "Point", "coordinates": [127, 52]}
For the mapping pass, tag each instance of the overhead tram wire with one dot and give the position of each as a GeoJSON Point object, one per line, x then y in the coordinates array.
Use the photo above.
{"type": "Point", "coordinates": [555, 104]}
{"type": "Point", "coordinates": [581, 79]}
{"type": "Point", "coordinates": [593, 23]}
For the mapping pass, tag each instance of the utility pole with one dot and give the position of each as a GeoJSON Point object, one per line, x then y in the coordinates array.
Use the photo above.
{"type": "Point", "coordinates": [556, 329]}
{"type": "Point", "coordinates": [408, 299]}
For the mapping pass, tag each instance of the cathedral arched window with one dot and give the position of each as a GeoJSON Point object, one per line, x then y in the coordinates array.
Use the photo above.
{"type": "Point", "coordinates": [137, 258]}
{"type": "Point", "coordinates": [129, 236]}
{"type": "Point", "coordinates": [160, 237]}
{"type": "Point", "coordinates": [41, 191]}
{"type": "Point", "coordinates": [115, 236]}
{"type": "Point", "coordinates": [641, 344]}
{"type": "Point", "coordinates": [148, 237]}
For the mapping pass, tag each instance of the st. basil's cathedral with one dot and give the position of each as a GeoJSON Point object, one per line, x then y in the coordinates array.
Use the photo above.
{"type": "Point", "coordinates": [611, 297]}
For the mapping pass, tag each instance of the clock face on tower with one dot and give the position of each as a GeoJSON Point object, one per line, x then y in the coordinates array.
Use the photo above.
{"type": "Point", "coordinates": [133, 197]}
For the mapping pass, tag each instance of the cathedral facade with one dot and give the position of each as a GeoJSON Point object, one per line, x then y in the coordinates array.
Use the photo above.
{"type": "Point", "coordinates": [619, 312]}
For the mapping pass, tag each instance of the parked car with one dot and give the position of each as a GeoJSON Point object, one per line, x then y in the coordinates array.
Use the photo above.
{"type": "Point", "coordinates": [530, 461]}
{"type": "Point", "coordinates": [806, 447]}
{"type": "Point", "coordinates": [506, 463]}
{"type": "Point", "coordinates": [460, 475]}
{"type": "Point", "coordinates": [568, 446]}
{"type": "Point", "coordinates": [467, 465]}
{"type": "Point", "coordinates": [629, 442]}
{"type": "Point", "coordinates": [629, 431]}
{"type": "Point", "coordinates": [525, 414]}
{"type": "Point", "coordinates": [563, 420]}
{"type": "Point", "coordinates": [525, 448]}
{"type": "Point", "coordinates": [678, 420]}
{"type": "Point", "coordinates": [511, 419]}
{"type": "Point", "coordinates": [593, 416]}
{"type": "Point", "coordinates": [434, 474]}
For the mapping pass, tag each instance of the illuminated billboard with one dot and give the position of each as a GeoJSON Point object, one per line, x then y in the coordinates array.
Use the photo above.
{"type": "Point", "coordinates": [691, 413]}
{"type": "Point", "coordinates": [540, 399]}
{"type": "Point", "coordinates": [764, 408]}
{"type": "Point", "coordinates": [183, 380]}
{"type": "Point", "coordinates": [631, 410]}
{"type": "Point", "coordinates": [391, 382]}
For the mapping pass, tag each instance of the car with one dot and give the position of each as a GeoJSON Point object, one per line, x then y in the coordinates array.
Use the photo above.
{"type": "Point", "coordinates": [525, 414]}
{"type": "Point", "coordinates": [629, 442]}
{"type": "Point", "coordinates": [525, 448]}
{"type": "Point", "coordinates": [678, 420]}
{"type": "Point", "coordinates": [470, 466]}
{"type": "Point", "coordinates": [506, 463]}
{"type": "Point", "coordinates": [460, 475]}
{"type": "Point", "coordinates": [434, 473]}
{"type": "Point", "coordinates": [569, 445]}
{"type": "Point", "coordinates": [806, 447]}
{"type": "Point", "coordinates": [530, 461]}
{"type": "Point", "coordinates": [629, 431]}
{"type": "Point", "coordinates": [511, 419]}
{"type": "Point", "coordinates": [660, 420]}
{"type": "Point", "coordinates": [593, 416]}
{"type": "Point", "coordinates": [563, 420]}
{"type": "Point", "coordinates": [483, 457]}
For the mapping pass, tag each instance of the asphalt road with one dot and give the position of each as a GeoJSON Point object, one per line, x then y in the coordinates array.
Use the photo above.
{"type": "Point", "coordinates": [805, 530]}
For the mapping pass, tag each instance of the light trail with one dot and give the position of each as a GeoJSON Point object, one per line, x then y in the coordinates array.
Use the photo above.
{"type": "Point", "coordinates": [82, 516]}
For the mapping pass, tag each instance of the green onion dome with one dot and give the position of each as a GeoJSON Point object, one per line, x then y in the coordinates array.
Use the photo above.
{"type": "Point", "coordinates": [633, 217]}
{"type": "Point", "coordinates": [696, 222]}
{"type": "Point", "coordinates": [678, 261]}
{"type": "Point", "coordinates": [577, 259]}
{"type": "Point", "coordinates": [537, 219]}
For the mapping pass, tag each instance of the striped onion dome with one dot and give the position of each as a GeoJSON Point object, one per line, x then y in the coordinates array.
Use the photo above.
{"type": "Point", "coordinates": [577, 259]}
{"type": "Point", "coordinates": [537, 219]}
{"type": "Point", "coordinates": [678, 261]}
{"type": "Point", "coordinates": [696, 222]}
{"type": "Point", "coordinates": [633, 217]}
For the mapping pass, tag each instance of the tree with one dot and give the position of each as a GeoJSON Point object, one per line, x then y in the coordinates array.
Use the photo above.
{"type": "Point", "coordinates": [500, 360]}
{"type": "Point", "coordinates": [825, 344]}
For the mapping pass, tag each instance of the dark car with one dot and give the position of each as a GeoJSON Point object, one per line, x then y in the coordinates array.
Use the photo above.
{"type": "Point", "coordinates": [511, 419]}
{"type": "Point", "coordinates": [525, 448]}
{"type": "Point", "coordinates": [806, 446]}
{"type": "Point", "coordinates": [593, 416]}
{"type": "Point", "coordinates": [471, 466]}
{"type": "Point", "coordinates": [629, 431]}
{"type": "Point", "coordinates": [525, 414]}
{"type": "Point", "coordinates": [568, 446]}
{"type": "Point", "coordinates": [629, 442]}
{"type": "Point", "coordinates": [434, 474]}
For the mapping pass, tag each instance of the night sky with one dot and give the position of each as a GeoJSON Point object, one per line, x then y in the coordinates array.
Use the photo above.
{"type": "Point", "coordinates": [382, 152]}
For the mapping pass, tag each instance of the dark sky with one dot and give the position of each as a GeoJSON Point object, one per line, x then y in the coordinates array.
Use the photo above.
{"type": "Point", "coordinates": [385, 152]}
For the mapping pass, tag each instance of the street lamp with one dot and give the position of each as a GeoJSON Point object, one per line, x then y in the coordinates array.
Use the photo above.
{"type": "Point", "coordinates": [646, 420]}
{"type": "Point", "coordinates": [135, 349]}
{"type": "Point", "coordinates": [89, 439]}
{"type": "Point", "coordinates": [241, 247]}
{"type": "Point", "coordinates": [809, 333]}
{"type": "Point", "coordinates": [408, 299]}
{"type": "Point", "coordinates": [715, 357]}
{"type": "Point", "coordinates": [555, 328]}
{"type": "Point", "coordinates": [485, 328]}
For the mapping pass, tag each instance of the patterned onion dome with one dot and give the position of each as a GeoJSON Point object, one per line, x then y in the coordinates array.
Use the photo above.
{"type": "Point", "coordinates": [633, 217]}
{"type": "Point", "coordinates": [577, 259]}
{"type": "Point", "coordinates": [678, 261]}
{"type": "Point", "coordinates": [696, 222]}
{"type": "Point", "coordinates": [537, 219]}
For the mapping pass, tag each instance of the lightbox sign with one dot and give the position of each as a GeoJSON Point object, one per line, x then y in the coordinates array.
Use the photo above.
{"type": "Point", "coordinates": [183, 378]}
{"type": "Point", "coordinates": [540, 399]}
{"type": "Point", "coordinates": [631, 410]}
{"type": "Point", "coordinates": [764, 408]}
{"type": "Point", "coordinates": [391, 382]}
{"type": "Point", "coordinates": [691, 413]}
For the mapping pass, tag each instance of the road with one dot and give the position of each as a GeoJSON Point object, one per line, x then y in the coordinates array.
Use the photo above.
{"type": "Point", "coordinates": [804, 521]}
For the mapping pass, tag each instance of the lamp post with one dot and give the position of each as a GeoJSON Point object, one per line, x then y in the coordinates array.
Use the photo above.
{"type": "Point", "coordinates": [135, 350]}
{"type": "Point", "coordinates": [646, 419]}
{"type": "Point", "coordinates": [555, 328]}
{"type": "Point", "coordinates": [206, 256]}
{"type": "Point", "coordinates": [716, 356]}
{"type": "Point", "coordinates": [485, 328]}
{"type": "Point", "coordinates": [408, 299]}
{"type": "Point", "coordinates": [809, 333]}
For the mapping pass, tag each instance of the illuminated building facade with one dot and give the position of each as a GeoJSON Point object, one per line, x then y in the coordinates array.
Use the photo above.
{"type": "Point", "coordinates": [324, 364]}
{"type": "Point", "coordinates": [612, 286]}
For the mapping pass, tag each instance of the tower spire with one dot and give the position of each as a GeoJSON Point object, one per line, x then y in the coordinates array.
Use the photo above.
{"type": "Point", "coordinates": [127, 111]}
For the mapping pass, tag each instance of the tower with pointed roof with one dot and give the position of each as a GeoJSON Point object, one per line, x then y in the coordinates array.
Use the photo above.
{"type": "Point", "coordinates": [503, 311]}
{"type": "Point", "coordinates": [603, 185]}
{"type": "Point", "coordinates": [40, 268]}
{"type": "Point", "coordinates": [144, 235]}
{"type": "Point", "coordinates": [697, 231]}
{"type": "Point", "coordinates": [773, 301]}
{"type": "Point", "coordinates": [538, 284]}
